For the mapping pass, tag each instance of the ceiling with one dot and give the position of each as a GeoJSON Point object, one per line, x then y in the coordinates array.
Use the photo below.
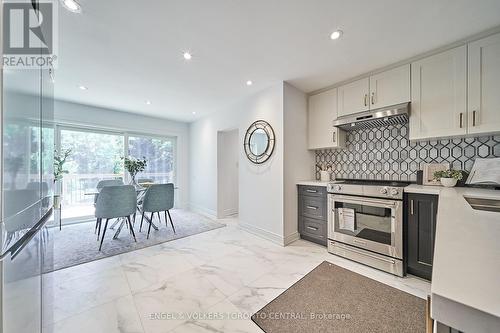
{"type": "Point", "coordinates": [128, 51]}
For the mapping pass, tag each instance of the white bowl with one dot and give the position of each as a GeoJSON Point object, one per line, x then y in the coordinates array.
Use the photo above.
{"type": "Point", "coordinates": [448, 182]}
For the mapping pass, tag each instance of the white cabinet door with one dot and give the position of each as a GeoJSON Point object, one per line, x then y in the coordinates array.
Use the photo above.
{"type": "Point", "coordinates": [390, 87]}
{"type": "Point", "coordinates": [322, 111]}
{"type": "Point", "coordinates": [354, 97]}
{"type": "Point", "coordinates": [438, 95]}
{"type": "Point", "coordinates": [484, 85]}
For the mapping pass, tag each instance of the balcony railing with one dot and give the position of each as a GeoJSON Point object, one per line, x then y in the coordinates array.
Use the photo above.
{"type": "Point", "coordinates": [77, 204]}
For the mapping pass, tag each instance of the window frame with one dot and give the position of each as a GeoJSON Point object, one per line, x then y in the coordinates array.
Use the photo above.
{"type": "Point", "coordinates": [59, 127]}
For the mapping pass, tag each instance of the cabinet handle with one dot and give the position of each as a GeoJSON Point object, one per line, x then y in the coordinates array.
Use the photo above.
{"type": "Point", "coordinates": [312, 207]}
{"type": "Point", "coordinates": [461, 120]}
{"type": "Point", "coordinates": [373, 98]}
{"type": "Point", "coordinates": [474, 118]}
{"type": "Point", "coordinates": [365, 100]}
{"type": "Point", "coordinates": [411, 207]}
{"type": "Point", "coordinates": [312, 228]}
{"type": "Point", "coordinates": [311, 191]}
{"type": "Point", "coordinates": [334, 137]}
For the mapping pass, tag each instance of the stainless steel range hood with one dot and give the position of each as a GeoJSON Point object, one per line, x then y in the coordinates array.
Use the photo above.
{"type": "Point", "coordinates": [391, 115]}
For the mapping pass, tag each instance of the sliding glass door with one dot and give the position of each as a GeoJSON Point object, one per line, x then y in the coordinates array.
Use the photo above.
{"type": "Point", "coordinates": [160, 155]}
{"type": "Point", "coordinates": [95, 155]}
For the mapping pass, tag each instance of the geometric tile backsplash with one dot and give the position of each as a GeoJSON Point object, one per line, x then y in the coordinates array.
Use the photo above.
{"type": "Point", "coordinates": [386, 153]}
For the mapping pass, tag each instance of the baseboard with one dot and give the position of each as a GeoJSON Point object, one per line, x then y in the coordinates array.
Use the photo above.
{"type": "Point", "coordinates": [291, 238]}
{"type": "Point", "coordinates": [203, 211]}
{"type": "Point", "coordinates": [271, 236]}
{"type": "Point", "coordinates": [230, 212]}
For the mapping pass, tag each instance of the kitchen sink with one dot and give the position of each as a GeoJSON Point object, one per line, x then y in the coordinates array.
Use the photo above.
{"type": "Point", "coordinates": [490, 205]}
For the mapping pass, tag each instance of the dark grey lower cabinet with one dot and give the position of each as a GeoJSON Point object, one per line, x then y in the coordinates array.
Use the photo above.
{"type": "Point", "coordinates": [312, 213]}
{"type": "Point", "coordinates": [420, 232]}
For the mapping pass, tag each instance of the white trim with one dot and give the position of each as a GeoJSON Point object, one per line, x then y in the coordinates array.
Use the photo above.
{"type": "Point", "coordinates": [230, 212]}
{"type": "Point", "coordinates": [210, 213]}
{"type": "Point", "coordinates": [271, 236]}
{"type": "Point", "coordinates": [291, 238]}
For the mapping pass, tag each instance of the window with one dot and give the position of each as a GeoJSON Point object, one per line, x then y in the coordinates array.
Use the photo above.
{"type": "Point", "coordinates": [160, 155]}
{"type": "Point", "coordinates": [94, 156]}
{"type": "Point", "coordinates": [97, 155]}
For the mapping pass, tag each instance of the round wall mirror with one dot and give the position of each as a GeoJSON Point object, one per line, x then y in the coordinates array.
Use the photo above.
{"type": "Point", "coordinates": [259, 142]}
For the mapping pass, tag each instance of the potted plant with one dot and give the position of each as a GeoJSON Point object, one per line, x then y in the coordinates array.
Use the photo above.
{"type": "Point", "coordinates": [134, 166]}
{"type": "Point", "coordinates": [448, 178]}
{"type": "Point", "coordinates": [59, 172]}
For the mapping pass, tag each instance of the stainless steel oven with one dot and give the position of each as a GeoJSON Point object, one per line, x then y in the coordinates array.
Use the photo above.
{"type": "Point", "coordinates": [367, 229]}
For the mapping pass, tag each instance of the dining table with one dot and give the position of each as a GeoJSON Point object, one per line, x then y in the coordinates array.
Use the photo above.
{"type": "Point", "coordinates": [121, 220]}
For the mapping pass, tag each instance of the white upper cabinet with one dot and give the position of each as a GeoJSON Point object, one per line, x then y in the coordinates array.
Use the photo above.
{"type": "Point", "coordinates": [390, 87]}
{"type": "Point", "coordinates": [377, 91]}
{"type": "Point", "coordinates": [438, 95]}
{"type": "Point", "coordinates": [322, 111]}
{"type": "Point", "coordinates": [484, 85]}
{"type": "Point", "coordinates": [354, 97]}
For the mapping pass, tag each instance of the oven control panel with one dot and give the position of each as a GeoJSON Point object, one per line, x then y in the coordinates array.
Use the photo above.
{"type": "Point", "coordinates": [376, 191]}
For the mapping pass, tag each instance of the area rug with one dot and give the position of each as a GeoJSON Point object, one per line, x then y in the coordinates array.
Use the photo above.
{"type": "Point", "coordinates": [77, 243]}
{"type": "Point", "coordinates": [334, 299]}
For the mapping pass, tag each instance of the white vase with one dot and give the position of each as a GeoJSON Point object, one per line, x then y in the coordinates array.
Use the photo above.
{"type": "Point", "coordinates": [57, 201]}
{"type": "Point", "coordinates": [448, 182]}
{"type": "Point", "coordinates": [324, 176]}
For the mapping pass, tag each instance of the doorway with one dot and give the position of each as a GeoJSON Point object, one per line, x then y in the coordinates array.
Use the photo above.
{"type": "Point", "coordinates": [227, 173]}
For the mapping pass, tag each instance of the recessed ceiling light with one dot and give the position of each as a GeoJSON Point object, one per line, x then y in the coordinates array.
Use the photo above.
{"type": "Point", "coordinates": [336, 34]}
{"type": "Point", "coordinates": [194, 112]}
{"type": "Point", "coordinates": [148, 102]}
{"type": "Point", "coordinates": [72, 6]}
{"type": "Point", "coordinates": [249, 83]}
{"type": "Point", "coordinates": [187, 56]}
{"type": "Point", "coordinates": [83, 88]}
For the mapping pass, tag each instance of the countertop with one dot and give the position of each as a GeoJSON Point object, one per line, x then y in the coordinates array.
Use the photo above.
{"type": "Point", "coordinates": [312, 183]}
{"type": "Point", "coordinates": [465, 286]}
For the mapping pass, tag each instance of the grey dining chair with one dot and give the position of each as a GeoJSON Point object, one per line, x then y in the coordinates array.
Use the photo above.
{"type": "Point", "coordinates": [100, 185]}
{"type": "Point", "coordinates": [158, 198]}
{"type": "Point", "coordinates": [108, 182]}
{"type": "Point", "coordinates": [115, 202]}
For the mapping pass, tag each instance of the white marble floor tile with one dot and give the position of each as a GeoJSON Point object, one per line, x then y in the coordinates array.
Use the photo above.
{"type": "Point", "coordinates": [173, 301]}
{"type": "Point", "coordinates": [174, 286]}
{"type": "Point", "coordinates": [226, 318]}
{"type": "Point", "coordinates": [235, 271]}
{"type": "Point", "coordinates": [117, 316]}
{"type": "Point", "coordinates": [77, 295]}
{"type": "Point", "coordinates": [80, 271]}
{"type": "Point", "coordinates": [148, 271]}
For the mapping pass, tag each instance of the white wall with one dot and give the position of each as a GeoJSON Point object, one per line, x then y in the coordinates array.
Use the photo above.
{"type": "Point", "coordinates": [67, 113]}
{"type": "Point", "coordinates": [267, 192]}
{"type": "Point", "coordinates": [298, 161]}
{"type": "Point", "coordinates": [260, 186]}
{"type": "Point", "coordinates": [228, 155]}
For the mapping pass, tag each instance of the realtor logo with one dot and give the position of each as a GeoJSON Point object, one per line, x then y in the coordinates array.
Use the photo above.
{"type": "Point", "coordinates": [29, 38]}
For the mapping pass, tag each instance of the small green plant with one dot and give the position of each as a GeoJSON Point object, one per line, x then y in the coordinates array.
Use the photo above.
{"type": "Point", "coordinates": [134, 165]}
{"type": "Point", "coordinates": [59, 161]}
{"type": "Point", "coordinates": [456, 174]}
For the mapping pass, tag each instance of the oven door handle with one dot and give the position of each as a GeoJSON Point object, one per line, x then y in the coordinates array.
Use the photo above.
{"type": "Point", "coordinates": [363, 200]}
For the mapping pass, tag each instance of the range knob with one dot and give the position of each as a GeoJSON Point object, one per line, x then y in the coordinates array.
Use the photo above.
{"type": "Point", "coordinates": [383, 190]}
{"type": "Point", "coordinates": [394, 191]}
